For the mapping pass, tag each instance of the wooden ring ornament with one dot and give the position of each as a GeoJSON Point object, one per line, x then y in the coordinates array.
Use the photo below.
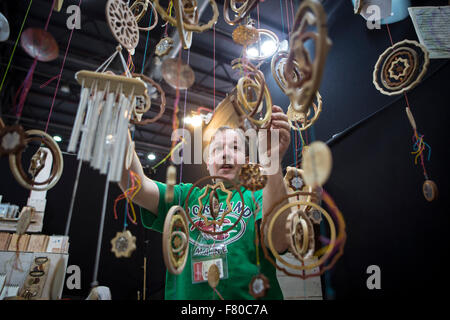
{"type": "Point", "coordinates": [430, 190]}
{"type": "Point", "coordinates": [139, 8]}
{"type": "Point", "coordinates": [280, 259]}
{"type": "Point", "coordinates": [241, 12]}
{"type": "Point", "coordinates": [251, 177]}
{"type": "Point", "coordinates": [300, 235]}
{"type": "Point", "coordinates": [174, 224]}
{"type": "Point", "coordinates": [122, 23]}
{"type": "Point", "coordinates": [162, 95]}
{"type": "Point", "coordinates": [301, 90]}
{"type": "Point", "coordinates": [12, 139]}
{"type": "Point", "coordinates": [400, 67]}
{"type": "Point", "coordinates": [15, 162]}
{"type": "Point", "coordinates": [186, 204]}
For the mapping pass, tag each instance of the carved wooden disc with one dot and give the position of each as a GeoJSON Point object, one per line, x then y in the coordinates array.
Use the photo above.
{"type": "Point", "coordinates": [213, 276]}
{"type": "Point", "coordinates": [122, 23]}
{"type": "Point", "coordinates": [317, 163]}
{"type": "Point", "coordinates": [177, 74]}
{"type": "Point", "coordinates": [430, 190]}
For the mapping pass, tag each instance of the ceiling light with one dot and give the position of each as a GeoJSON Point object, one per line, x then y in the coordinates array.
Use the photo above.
{"type": "Point", "coordinates": [195, 120]}
{"type": "Point", "coordinates": [57, 138]}
{"type": "Point", "coordinates": [151, 156]}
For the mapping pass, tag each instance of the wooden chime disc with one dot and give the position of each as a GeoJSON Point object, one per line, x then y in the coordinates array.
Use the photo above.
{"type": "Point", "coordinates": [177, 74]}
{"type": "Point", "coordinates": [317, 163]}
{"type": "Point", "coordinates": [213, 276]}
{"type": "Point", "coordinates": [39, 44]}
{"type": "Point", "coordinates": [259, 286]}
{"type": "Point", "coordinates": [430, 190]}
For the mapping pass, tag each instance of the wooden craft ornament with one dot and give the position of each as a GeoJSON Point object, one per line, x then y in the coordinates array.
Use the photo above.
{"type": "Point", "coordinates": [316, 164]}
{"type": "Point", "coordinates": [123, 244]}
{"type": "Point", "coordinates": [170, 183]}
{"type": "Point", "coordinates": [294, 182]}
{"type": "Point", "coordinates": [300, 235]}
{"type": "Point", "coordinates": [264, 36]}
{"type": "Point", "coordinates": [207, 223]}
{"type": "Point", "coordinates": [245, 34]}
{"type": "Point", "coordinates": [186, 18]}
{"type": "Point", "coordinates": [251, 177]}
{"type": "Point", "coordinates": [15, 163]}
{"type": "Point", "coordinates": [430, 190]}
{"type": "Point", "coordinates": [253, 79]}
{"type": "Point", "coordinates": [162, 95]}
{"type": "Point", "coordinates": [213, 276]}
{"type": "Point", "coordinates": [211, 191]}
{"type": "Point", "coordinates": [35, 281]}
{"type": "Point", "coordinates": [258, 286]}
{"type": "Point", "coordinates": [175, 240]}
{"type": "Point", "coordinates": [24, 221]}
{"type": "Point", "coordinates": [400, 67]}
{"type": "Point", "coordinates": [139, 8]}
{"type": "Point", "coordinates": [241, 11]}
{"type": "Point", "coordinates": [12, 139]}
{"type": "Point", "coordinates": [122, 23]}
{"type": "Point", "coordinates": [177, 74]}
{"type": "Point", "coordinates": [164, 46]}
{"type": "Point", "coordinates": [270, 241]}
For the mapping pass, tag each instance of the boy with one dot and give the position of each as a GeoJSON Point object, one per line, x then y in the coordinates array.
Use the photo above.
{"type": "Point", "coordinates": [234, 251]}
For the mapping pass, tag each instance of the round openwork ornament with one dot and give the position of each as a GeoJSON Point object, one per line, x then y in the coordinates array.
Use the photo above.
{"type": "Point", "coordinates": [401, 67]}
{"type": "Point", "coordinates": [122, 23]}
{"type": "Point", "coordinates": [175, 240]}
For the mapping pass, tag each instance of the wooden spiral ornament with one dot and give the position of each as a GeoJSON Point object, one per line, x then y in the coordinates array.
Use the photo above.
{"type": "Point", "coordinates": [139, 8]}
{"type": "Point", "coordinates": [15, 162]}
{"type": "Point", "coordinates": [186, 18]}
{"type": "Point", "coordinates": [252, 81]}
{"type": "Point", "coordinates": [162, 106]}
{"type": "Point", "coordinates": [297, 76]}
{"type": "Point", "coordinates": [241, 9]}
{"type": "Point", "coordinates": [175, 240]}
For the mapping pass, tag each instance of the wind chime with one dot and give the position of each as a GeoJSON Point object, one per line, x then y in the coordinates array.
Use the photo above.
{"type": "Point", "coordinates": [398, 70]}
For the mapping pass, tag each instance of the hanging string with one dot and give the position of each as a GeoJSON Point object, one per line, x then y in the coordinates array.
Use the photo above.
{"type": "Point", "coordinates": [60, 73]}
{"type": "Point", "coordinates": [214, 67]}
{"type": "Point", "coordinates": [184, 116]}
{"type": "Point", "coordinates": [146, 42]}
{"type": "Point", "coordinates": [416, 138]}
{"type": "Point", "coordinates": [287, 17]}
{"type": "Point", "coordinates": [72, 199]}
{"type": "Point", "coordinates": [15, 45]}
{"type": "Point", "coordinates": [26, 84]}
{"type": "Point", "coordinates": [282, 20]}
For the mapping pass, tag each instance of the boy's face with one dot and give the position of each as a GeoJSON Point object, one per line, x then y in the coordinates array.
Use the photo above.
{"type": "Point", "coordinates": [226, 154]}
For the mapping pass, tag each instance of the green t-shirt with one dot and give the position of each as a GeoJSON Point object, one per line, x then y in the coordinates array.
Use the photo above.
{"type": "Point", "coordinates": [238, 245]}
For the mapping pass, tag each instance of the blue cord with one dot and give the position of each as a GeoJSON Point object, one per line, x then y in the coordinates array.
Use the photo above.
{"type": "Point", "coordinates": [146, 43]}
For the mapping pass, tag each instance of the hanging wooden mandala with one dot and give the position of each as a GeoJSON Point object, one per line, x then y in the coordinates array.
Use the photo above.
{"type": "Point", "coordinates": [122, 23]}
{"type": "Point", "coordinates": [175, 240]}
{"type": "Point", "coordinates": [400, 67]}
{"type": "Point", "coordinates": [123, 244]}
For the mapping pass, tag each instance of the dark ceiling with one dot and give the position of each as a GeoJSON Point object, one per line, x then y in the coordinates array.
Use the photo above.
{"type": "Point", "coordinates": [91, 45]}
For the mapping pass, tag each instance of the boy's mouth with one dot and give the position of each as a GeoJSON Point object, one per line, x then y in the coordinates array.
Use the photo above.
{"type": "Point", "coordinates": [226, 167]}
